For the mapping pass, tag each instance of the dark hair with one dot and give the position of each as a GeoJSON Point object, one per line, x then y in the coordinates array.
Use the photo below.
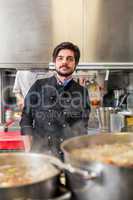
{"type": "Point", "coordinates": [67, 45]}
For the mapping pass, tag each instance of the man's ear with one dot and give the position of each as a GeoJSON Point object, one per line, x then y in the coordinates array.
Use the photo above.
{"type": "Point", "coordinates": [75, 66]}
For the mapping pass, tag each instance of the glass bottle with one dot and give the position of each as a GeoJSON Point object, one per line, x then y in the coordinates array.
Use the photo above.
{"type": "Point", "coordinates": [94, 93]}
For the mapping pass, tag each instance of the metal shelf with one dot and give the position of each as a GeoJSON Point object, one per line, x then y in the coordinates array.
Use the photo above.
{"type": "Point", "coordinates": [81, 66]}
{"type": "Point", "coordinates": [100, 66]}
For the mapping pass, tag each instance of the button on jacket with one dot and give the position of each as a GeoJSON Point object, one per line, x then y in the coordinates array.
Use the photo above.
{"type": "Point", "coordinates": [53, 112]}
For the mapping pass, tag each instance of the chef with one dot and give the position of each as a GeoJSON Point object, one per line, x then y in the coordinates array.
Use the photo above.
{"type": "Point", "coordinates": [23, 82]}
{"type": "Point", "coordinates": [56, 108]}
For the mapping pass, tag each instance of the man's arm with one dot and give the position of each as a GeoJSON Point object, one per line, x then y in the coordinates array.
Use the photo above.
{"type": "Point", "coordinates": [26, 128]}
{"type": "Point", "coordinates": [26, 122]}
{"type": "Point", "coordinates": [27, 142]}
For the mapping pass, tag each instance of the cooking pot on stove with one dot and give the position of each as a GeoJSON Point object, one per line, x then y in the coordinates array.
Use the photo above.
{"type": "Point", "coordinates": [29, 176]}
{"type": "Point", "coordinates": [109, 181]}
{"type": "Point", "coordinates": [87, 180]}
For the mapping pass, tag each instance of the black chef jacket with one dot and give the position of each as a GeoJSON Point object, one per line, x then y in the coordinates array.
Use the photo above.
{"type": "Point", "coordinates": [53, 113]}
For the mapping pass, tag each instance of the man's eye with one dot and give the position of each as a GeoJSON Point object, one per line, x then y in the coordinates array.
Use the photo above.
{"type": "Point", "coordinates": [60, 58]}
{"type": "Point", "coordinates": [70, 59]}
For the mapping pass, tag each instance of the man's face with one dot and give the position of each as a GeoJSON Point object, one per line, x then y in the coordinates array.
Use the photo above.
{"type": "Point", "coordinates": [65, 62]}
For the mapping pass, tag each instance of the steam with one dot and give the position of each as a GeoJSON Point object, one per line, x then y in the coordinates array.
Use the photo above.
{"type": "Point", "coordinates": [50, 143]}
{"type": "Point", "coordinates": [112, 183]}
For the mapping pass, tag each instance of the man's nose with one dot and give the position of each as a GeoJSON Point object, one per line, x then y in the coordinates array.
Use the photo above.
{"type": "Point", "coordinates": [64, 60]}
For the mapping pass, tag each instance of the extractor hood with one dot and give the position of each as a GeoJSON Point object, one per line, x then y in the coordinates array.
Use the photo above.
{"type": "Point", "coordinates": [25, 33]}
{"type": "Point", "coordinates": [109, 31]}
{"type": "Point", "coordinates": [29, 31]}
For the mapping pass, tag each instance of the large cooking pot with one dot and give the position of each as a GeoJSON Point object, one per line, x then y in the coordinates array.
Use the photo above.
{"type": "Point", "coordinates": [110, 182]}
{"type": "Point", "coordinates": [28, 176]}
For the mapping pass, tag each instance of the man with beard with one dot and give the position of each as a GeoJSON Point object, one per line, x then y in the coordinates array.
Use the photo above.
{"type": "Point", "coordinates": [56, 108]}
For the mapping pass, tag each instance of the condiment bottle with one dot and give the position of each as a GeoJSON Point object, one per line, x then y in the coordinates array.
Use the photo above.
{"type": "Point", "coordinates": [94, 93]}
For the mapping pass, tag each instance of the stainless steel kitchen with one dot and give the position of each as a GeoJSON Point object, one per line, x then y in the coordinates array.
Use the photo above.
{"type": "Point", "coordinates": [66, 109]}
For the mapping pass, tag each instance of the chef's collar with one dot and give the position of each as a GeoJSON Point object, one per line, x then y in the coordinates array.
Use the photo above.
{"type": "Point", "coordinates": [65, 82]}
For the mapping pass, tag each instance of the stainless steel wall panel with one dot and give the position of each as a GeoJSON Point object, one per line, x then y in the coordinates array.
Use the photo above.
{"type": "Point", "coordinates": [25, 31]}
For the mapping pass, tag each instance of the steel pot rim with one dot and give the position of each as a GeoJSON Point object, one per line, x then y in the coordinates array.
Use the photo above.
{"type": "Point", "coordinates": [84, 137]}
{"type": "Point", "coordinates": [38, 181]}
{"type": "Point", "coordinates": [71, 143]}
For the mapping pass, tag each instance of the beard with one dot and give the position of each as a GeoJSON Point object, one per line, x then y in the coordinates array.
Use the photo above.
{"type": "Point", "coordinates": [64, 74]}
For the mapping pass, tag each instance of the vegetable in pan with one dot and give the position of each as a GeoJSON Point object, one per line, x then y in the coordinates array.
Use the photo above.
{"type": "Point", "coordinates": [16, 175]}
{"type": "Point", "coordinates": [120, 154]}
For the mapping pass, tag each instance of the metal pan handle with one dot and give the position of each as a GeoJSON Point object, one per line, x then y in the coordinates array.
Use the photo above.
{"type": "Point", "coordinates": [74, 170]}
